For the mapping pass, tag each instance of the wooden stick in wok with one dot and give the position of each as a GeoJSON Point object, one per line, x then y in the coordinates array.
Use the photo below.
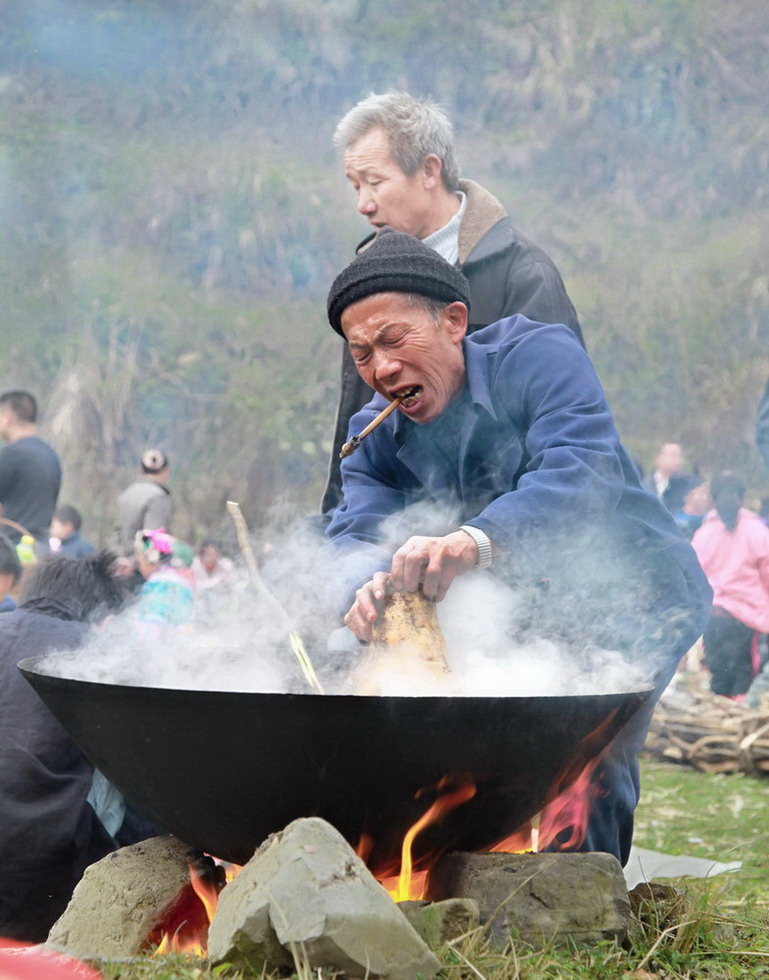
{"type": "Point", "coordinates": [349, 447]}
{"type": "Point", "coordinates": [297, 647]}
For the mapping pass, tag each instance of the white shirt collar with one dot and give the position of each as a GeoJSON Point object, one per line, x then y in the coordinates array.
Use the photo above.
{"type": "Point", "coordinates": [445, 240]}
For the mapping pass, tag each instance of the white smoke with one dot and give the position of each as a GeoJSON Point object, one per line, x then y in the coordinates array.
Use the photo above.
{"type": "Point", "coordinates": [238, 644]}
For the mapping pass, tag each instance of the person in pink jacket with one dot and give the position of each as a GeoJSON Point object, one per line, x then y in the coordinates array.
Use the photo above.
{"type": "Point", "coordinates": [732, 545]}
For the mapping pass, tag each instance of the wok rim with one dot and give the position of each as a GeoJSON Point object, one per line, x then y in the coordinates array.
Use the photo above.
{"type": "Point", "coordinates": [31, 665]}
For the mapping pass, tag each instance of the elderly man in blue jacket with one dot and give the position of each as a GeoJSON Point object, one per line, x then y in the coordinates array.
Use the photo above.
{"type": "Point", "coordinates": [508, 435]}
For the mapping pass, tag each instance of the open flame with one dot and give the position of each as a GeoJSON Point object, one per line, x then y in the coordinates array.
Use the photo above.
{"type": "Point", "coordinates": [562, 824]}
{"type": "Point", "coordinates": [569, 811]}
{"type": "Point", "coordinates": [452, 792]}
{"type": "Point", "coordinates": [185, 928]}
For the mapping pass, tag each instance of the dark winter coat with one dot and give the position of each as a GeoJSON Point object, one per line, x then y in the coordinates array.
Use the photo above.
{"type": "Point", "coordinates": [507, 273]}
{"type": "Point", "coordinates": [48, 832]}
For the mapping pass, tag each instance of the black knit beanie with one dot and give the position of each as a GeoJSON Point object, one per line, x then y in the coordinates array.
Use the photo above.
{"type": "Point", "coordinates": [395, 263]}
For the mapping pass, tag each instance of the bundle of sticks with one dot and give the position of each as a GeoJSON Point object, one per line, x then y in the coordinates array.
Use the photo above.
{"type": "Point", "coordinates": [710, 733]}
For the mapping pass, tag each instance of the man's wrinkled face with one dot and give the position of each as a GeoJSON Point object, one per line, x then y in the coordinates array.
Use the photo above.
{"type": "Point", "coordinates": [386, 195]}
{"type": "Point", "coordinates": [397, 347]}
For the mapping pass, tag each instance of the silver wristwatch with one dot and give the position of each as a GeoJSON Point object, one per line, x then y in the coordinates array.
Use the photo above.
{"type": "Point", "coordinates": [483, 543]}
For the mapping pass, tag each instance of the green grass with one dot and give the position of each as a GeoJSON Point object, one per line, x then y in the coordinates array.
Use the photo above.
{"type": "Point", "coordinates": [716, 929]}
{"type": "Point", "coordinates": [714, 816]}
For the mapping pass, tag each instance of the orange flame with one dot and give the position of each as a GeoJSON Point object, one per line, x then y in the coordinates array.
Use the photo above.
{"type": "Point", "coordinates": [185, 929]}
{"type": "Point", "coordinates": [231, 871]}
{"type": "Point", "coordinates": [364, 847]}
{"type": "Point", "coordinates": [569, 810]}
{"type": "Point", "coordinates": [409, 884]}
{"type": "Point", "coordinates": [206, 892]}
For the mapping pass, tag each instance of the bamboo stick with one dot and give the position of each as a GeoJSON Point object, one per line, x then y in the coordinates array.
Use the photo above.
{"type": "Point", "coordinates": [297, 646]}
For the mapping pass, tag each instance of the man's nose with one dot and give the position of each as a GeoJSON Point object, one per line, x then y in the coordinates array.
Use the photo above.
{"type": "Point", "coordinates": [386, 365]}
{"type": "Point", "coordinates": [366, 204]}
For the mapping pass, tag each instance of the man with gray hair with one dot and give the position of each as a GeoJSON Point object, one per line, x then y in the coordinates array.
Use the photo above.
{"type": "Point", "coordinates": [399, 157]}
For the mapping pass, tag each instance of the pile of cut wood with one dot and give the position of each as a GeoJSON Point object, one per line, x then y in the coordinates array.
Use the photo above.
{"type": "Point", "coordinates": [711, 733]}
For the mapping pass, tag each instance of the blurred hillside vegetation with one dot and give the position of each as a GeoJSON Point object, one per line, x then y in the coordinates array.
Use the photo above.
{"type": "Point", "coordinates": [173, 213]}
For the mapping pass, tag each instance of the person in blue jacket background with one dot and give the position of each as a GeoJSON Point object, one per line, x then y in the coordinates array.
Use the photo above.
{"type": "Point", "coordinates": [508, 435]}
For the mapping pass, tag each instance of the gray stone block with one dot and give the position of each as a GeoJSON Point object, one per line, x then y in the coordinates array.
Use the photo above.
{"type": "Point", "coordinates": [541, 898]}
{"type": "Point", "coordinates": [121, 899]}
{"type": "Point", "coordinates": [439, 922]}
{"type": "Point", "coordinates": [306, 889]}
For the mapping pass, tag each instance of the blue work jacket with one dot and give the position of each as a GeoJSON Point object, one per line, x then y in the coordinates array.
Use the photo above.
{"type": "Point", "coordinates": [528, 452]}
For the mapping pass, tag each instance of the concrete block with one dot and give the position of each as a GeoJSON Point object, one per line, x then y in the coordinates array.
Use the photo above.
{"type": "Point", "coordinates": [541, 898]}
{"type": "Point", "coordinates": [305, 889]}
{"type": "Point", "coordinates": [439, 922]}
{"type": "Point", "coordinates": [121, 899]}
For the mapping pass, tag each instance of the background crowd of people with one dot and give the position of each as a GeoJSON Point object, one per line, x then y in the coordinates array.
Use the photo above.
{"type": "Point", "coordinates": [33, 524]}
{"type": "Point", "coordinates": [731, 541]}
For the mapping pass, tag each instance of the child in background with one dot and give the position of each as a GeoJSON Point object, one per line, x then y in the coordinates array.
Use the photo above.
{"type": "Point", "coordinates": [732, 545]}
{"type": "Point", "coordinates": [211, 569]}
{"type": "Point", "coordinates": [688, 500]}
{"type": "Point", "coordinates": [167, 596]}
{"type": "Point", "coordinates": [65, 534]}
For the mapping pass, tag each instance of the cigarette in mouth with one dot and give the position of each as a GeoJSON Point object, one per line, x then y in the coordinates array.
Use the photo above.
{"type": "Point", "coordinates": [349, 447]}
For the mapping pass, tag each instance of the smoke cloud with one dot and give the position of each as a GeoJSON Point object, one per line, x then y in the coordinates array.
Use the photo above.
{"type": "Point", "coordinates": [239, 643]}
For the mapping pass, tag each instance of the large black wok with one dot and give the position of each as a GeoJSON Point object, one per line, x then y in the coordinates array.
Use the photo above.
{"type": "Point", "coordinates": [223, 770]}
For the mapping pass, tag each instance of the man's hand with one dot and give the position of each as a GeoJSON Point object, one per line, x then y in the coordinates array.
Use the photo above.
{"type": "Point", "coordinates": [432, 563]}
{"type": "Point", "coordinates": [369, 603]}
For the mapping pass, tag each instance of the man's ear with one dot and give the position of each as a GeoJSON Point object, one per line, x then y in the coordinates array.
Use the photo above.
{"type": "Point", "coordinates": [432, 171]}
{"type": "Point", "coordinates": [456, 318]}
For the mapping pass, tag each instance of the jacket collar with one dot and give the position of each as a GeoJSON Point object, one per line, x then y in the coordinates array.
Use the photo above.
{"type": "Point", "coordinates": [486, 228]}
{"type": "Point", "coordinates": [46, 606]}
{"type": "Point", "coordinates": [477, 379]}
{"type": "Point", "coordinates": [144, 478]}
{"type": "Point", "coordinates": [462, 483]}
